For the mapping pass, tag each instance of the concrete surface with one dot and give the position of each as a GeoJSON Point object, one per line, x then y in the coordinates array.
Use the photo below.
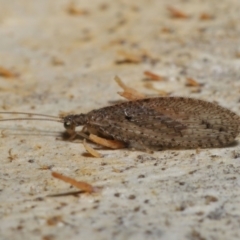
{"type": "Point", "coordinates": [64, 55]}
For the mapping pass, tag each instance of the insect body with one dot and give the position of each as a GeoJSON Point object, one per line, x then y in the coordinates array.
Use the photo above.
{"type": "Point", "coordinates": [161, 123]}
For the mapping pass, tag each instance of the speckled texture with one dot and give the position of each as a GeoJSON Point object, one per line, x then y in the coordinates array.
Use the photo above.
{"type": "Point", "coordinates": [65, 57]}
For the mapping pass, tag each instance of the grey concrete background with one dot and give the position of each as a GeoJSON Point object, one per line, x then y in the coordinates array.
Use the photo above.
{"type": "Point", "coordinates": [64, 55]}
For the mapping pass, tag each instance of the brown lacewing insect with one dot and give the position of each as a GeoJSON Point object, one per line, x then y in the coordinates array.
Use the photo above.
{"type": "Point", "coordinates": [156, 123]}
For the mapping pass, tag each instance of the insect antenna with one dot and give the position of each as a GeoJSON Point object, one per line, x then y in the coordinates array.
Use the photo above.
{"type": "Point", "coordinates": [34, 119]}
{"type": "Point", "coordinates": [45, 117]}
{"type": "Point", "coordinates": [30, 114]}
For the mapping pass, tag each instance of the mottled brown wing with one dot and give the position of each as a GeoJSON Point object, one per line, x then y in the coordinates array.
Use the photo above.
{"type": "Point", "coordinates": [170, 123]}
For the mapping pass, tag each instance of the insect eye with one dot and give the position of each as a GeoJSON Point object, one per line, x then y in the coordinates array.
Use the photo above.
{"type": "Point", "coordinates": [67, 125]}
